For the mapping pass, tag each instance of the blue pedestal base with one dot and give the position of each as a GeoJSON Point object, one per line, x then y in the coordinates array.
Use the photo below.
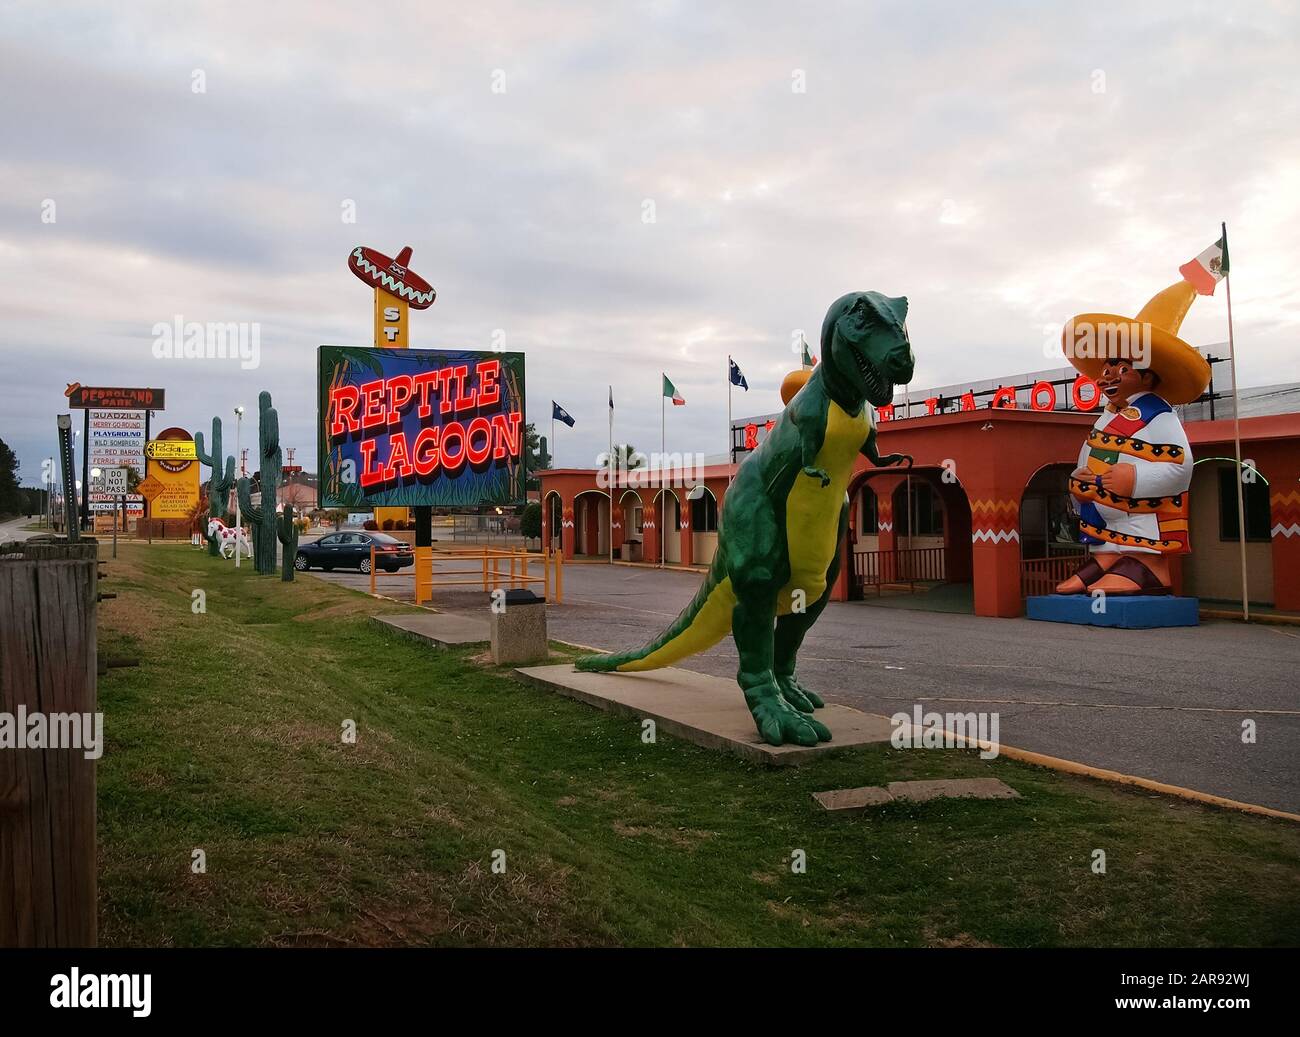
{"type": "Point", "coordinates": [1129, 613]}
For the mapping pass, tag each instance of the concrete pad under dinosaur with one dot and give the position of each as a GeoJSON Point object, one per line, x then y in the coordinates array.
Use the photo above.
{"type": "Point", "coordinates": [439, 629]}
{"type": "Point", "coordinates": [708, 711]}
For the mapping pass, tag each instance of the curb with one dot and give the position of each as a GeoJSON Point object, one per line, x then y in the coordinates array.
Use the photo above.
{"type": "Point", "coordinates": [1119, 778]}
{"type": "Point", "coordinates": [1255, 617]}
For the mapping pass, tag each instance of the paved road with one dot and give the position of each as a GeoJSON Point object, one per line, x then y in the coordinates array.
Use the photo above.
{"type": "Point", "coordinates": [12, 530]}
{"type": "Point", "coordinates": [1166, 704]}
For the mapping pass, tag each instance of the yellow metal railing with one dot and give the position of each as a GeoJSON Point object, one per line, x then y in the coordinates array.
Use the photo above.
{"type": "Point", "coordinates": [489, 574]}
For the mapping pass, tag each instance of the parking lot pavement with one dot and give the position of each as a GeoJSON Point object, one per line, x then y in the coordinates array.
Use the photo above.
{"type": "Point", "coordinates": [1163, 704]}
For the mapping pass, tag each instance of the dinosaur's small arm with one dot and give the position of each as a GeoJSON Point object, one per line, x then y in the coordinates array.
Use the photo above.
{"type": "Point", "coordinates": [873, 455]}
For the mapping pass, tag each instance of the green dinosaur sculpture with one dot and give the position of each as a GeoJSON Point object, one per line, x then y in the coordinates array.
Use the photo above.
{"type": "Point", "coordinates": [287, 531]}
{"type": "Point", "coordinates": [219, 485]}
{"type": "Point", "coordinates": [270, 465]}
{"type": "Point", "coordinates": [784, 520]}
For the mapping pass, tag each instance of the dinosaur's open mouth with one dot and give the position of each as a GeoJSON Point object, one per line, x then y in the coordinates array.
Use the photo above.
{"type": "Point", "coordinates": [880, 390]}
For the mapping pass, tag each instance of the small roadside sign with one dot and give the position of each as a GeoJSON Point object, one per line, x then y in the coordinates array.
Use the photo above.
{"type": "Point", "coordinates": [113, 481]}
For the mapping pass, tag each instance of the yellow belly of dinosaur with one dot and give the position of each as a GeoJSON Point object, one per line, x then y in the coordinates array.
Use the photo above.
{"type": "Point", "coordinates": [812, 511]}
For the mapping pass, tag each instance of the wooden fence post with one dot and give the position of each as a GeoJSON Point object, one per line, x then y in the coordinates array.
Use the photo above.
{"type": "Point", "coordinates": [47, 796]}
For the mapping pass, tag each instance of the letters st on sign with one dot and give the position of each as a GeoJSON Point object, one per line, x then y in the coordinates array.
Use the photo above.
{"type": "Point", "coordinates": [421, 427]}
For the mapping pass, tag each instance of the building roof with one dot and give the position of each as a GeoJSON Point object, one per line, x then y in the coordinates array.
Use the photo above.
{"type": "Point", "coordinates": [1254, 430]}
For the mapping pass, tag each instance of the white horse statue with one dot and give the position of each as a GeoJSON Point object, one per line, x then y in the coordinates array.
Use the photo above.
{"type": "Point", "coordinates": [229, 537]}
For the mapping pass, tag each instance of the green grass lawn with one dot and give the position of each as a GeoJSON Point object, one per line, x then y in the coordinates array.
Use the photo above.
{"type": "Point", "coordinates": [227, 738]}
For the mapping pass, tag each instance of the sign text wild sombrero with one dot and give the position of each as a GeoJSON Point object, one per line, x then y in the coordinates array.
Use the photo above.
{"type": "Point", "coordinates": [421, 427]}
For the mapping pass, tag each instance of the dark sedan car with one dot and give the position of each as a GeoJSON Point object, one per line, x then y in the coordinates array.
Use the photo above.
{"type": "Point", "coordinates": [352, 551]}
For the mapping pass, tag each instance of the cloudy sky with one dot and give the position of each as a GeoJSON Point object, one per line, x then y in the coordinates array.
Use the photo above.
{"type": "Point", "coordinates": [1003, 165]}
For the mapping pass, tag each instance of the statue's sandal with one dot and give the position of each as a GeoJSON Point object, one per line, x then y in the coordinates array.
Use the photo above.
{"type": "Point", "coordinates": [1148, 583]}
{"type": "Point", "coordinates": [1088, 573]}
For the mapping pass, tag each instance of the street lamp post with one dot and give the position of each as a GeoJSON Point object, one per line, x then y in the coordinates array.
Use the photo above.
{"type": "Point", "coordinates": [239, 456]}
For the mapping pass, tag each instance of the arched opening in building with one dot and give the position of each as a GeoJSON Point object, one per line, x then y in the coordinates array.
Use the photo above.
{"type": "Point", "coordinates": [704, 524]}
{"type": "Point", "coordinates": [591, 523]}
{"type": "Point", "coordinates": [669, 522]}
{"type": "Point", "coordinates": [1050, 550]}
{"type": "Point", "coordinates": [910, 533]}
{"type": "Point", "coordinates": [1049, 523]}
{"type": "Point", "coordinates": [633, 517]}
{"type": "Point", "coordinates": [553, 522]}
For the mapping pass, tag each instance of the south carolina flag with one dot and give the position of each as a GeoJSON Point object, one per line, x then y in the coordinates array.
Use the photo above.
{"type": "Point", "coordinates": [670, 391]}
{"type": "Point", "coordinates": [1207, 270]}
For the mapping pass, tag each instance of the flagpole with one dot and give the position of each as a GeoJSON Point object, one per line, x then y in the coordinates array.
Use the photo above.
{"type": "Point", "coordinates": [546, 512]}
{"type": "Point", "coordinates": [663, 449]}
{"type": "Point", "coordinates": [730, 458]}
{"type": "Point", "coordinates": [610, 462]}
{"type": "Point", "coordinates": [1236, 433]}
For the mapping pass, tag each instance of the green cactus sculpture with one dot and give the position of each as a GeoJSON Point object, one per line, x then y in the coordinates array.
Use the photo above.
{"type": "Point", "coordinates": [270, 464]}
{"type": "Point", "coordinates": [287, 530]}
{"type": "Point", "coordinates": [220, 483]}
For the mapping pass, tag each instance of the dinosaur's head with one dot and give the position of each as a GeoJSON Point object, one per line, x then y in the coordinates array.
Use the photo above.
{"type": "Point", "coordinates": [865, 348]}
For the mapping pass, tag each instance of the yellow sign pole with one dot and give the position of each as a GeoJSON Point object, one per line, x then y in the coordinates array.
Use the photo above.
{"type": "Point", "coordinates": [392, 321]}
{"type": "Point", "coordinates": [392, 331]}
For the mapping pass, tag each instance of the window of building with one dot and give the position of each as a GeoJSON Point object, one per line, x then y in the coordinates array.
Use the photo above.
{"type": "Point", "coordinates": [924, 506]}
{"type": "Point", "coordinates": [1255, 501]}
{"type": "Point", "coordinates": [704, 513]}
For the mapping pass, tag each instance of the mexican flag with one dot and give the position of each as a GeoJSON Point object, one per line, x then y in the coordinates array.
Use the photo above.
{"type": "Point", "coordinates": [1207, 270]}
{"type": "Point", "coordinates": [670, 391]}
{"type": "Point", "coordinates": [806, 359]}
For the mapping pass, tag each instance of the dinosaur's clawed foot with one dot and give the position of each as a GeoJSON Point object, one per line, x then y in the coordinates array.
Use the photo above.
{"type": "Point", "coordinates": [780, 723]}
{"type": "Point", "coordinates": [797, 695]}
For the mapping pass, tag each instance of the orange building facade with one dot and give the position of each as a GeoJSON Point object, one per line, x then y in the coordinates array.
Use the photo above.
{"type": "Point", "coordinates": [983, 504]}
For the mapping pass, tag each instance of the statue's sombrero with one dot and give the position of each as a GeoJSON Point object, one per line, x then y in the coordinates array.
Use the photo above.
{"type": "Point", "coordinates": [1091, 338]}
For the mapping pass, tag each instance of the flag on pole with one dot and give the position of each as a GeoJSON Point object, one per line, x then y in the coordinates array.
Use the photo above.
{"type": "Point", "coordinates": [558, 413]}
{"type": "Point", "coordinates": [1207, 270]}
{"type": "Point", "coordinates": [806, 358]}
{"type": "Point", "coordinates": [611, 399]}
{"type": "Point", "coordinates": [737, 378]}
{"type": "Point", "coordinates": [671, 393]}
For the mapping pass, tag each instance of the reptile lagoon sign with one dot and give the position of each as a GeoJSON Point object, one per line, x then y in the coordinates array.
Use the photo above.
{"type": "Point", "coordinates": [420, 427]}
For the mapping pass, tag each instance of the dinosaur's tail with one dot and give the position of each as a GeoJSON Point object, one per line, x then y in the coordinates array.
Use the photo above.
{"type": "Point", "coordinates": [702, 624]}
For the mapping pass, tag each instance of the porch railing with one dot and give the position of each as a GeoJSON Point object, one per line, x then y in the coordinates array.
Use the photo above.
{"type": "Point", "coordinates": [1041, 575]}
{"type": "Point", "coordinates": [907, 565]}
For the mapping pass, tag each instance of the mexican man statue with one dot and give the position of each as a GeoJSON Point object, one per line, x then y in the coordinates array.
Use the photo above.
{"type": "Point", "coordinates": [1130, 485]}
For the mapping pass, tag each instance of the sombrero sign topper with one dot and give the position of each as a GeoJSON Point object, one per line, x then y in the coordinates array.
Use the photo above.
{"type": "Point", "coordinates": [398, 289]}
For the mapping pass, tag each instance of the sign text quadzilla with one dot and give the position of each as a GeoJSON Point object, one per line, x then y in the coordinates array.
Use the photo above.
{"type": "Point", "coordinates": [420, 427]}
